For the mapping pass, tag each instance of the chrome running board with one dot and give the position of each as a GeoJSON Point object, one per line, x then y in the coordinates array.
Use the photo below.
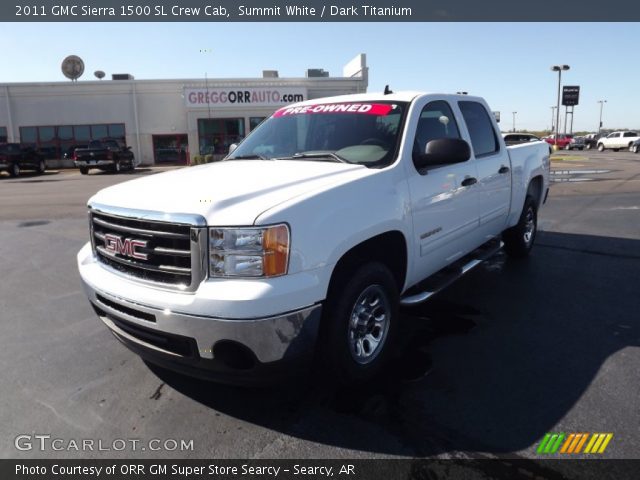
{"type": "Point", "coordinates": [445, 277]}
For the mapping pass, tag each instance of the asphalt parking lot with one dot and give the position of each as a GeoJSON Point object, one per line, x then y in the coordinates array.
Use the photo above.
{"type": "Point", "coordinates": [507, 354]}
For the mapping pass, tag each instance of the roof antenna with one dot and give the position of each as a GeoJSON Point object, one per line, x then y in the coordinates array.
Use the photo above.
{"type": "Point", "coordinates": [387, 90]}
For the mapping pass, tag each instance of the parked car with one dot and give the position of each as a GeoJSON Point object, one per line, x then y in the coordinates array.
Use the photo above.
{"type": "Point", "coordinates": [310, 235]}
{"type": "Point", "coordinates": [576, 143]}
{"type": "Point", "coordinates": [15, 157]}
{"type": "Point", "coordinates": [617, 140]}
{"type": "Point", "coordinates": [591, 141]}
{"type": "Point", "coordinates": [105, 154]}
{"type": "Point", "coordinates": [517, 138]}
{"type": "Point", "coordinates": [635, 147]}
{"type": "Point", "coordinates": [562, 141]}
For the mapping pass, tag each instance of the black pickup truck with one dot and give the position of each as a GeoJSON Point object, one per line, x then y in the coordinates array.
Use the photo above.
{"type": "Point", "coordinates": [15, 157]}
{"type": "Point", "coordinates": [106, 154]}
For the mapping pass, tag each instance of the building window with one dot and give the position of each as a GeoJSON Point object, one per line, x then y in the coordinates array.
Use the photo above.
{"type": "Point", "coordinates": [3, 134]}
{"type": "Point", "coordinates": [55, 141]}
{"type": "Point", "coordinates": [216, 134]}
{"type": "Point", "coordinates": [254, 122]}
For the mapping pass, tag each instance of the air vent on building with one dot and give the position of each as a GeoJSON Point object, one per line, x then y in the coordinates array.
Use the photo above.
{"type": "Point", "coordinates": [269, 73]}
{"type": "Point", "coordinates": [121, 76]}
{"type": "Point", "coordinates": [316, 72]}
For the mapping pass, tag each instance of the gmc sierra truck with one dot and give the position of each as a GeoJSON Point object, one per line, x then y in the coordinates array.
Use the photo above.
{"type": "Point", "coordinates": [311, 234]}
{"type": "Point", "coordinates": [106, 154]}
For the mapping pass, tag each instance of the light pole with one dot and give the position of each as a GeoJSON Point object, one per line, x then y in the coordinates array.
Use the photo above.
{"type": "Point", "coordinates": [559, 69]}
{"type": "Point", "coordinates": [601, 102]}
{"type": "Point", "coordinates": [553, 117]}
{"type": "Point", "coordinates": [514, 121]}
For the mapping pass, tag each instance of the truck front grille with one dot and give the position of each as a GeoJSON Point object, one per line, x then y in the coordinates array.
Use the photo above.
{"type": "Point", "coordinates": [164, 253]}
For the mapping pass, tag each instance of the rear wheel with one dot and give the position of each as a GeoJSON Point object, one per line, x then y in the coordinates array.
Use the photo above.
{"type": "Point", "coordinates": [14, 170]}
{"type": "Point", "coordinates": [359, 322]}
{"type": "Point", "coordinates": [518, 240]}
{"type": "Point", "coordinates": [117, 168]}
{"type": "Point", "coordinates": [84, 170]}
{"type": "Point", "coordinates": [634, 148]}
{"type": "Point", "coordinates": [567, 147]}
{"type": "Point", "coordinates": [588, 146]}
{"type": "Point", "coordinates": [42, 166]}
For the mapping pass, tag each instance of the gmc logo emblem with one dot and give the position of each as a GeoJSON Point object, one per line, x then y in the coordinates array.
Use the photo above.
{"type": "Point", "coordinates": [125, 246]}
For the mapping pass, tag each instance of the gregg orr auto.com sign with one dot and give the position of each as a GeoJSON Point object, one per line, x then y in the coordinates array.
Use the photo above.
{"type": "Point", "coordinates": [222, 97]}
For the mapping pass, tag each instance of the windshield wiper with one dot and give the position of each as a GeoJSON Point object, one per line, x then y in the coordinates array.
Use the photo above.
{"type": "Point", "coordinates": [253, 156]}
{"type": "Point", "coordinates": [328, 155]}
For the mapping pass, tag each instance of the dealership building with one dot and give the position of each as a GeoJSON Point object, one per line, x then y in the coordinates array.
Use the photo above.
{"type": "Point", "coordinates": [163, 121]}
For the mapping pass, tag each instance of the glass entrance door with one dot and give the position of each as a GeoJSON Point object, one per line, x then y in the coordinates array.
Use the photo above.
{"type": "Point", "coordinates": [171, 149]}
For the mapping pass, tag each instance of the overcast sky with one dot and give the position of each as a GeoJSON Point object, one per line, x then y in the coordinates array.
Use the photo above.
{"type": "Point", "coordinates": [507, 63]}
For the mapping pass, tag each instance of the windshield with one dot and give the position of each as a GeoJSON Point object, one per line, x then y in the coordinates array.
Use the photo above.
{"type": "Point", "coordinates": [365, 133]}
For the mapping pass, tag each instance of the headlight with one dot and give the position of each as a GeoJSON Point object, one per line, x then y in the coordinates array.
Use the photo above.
{"type": "Point", "coordinates": [249, 251]}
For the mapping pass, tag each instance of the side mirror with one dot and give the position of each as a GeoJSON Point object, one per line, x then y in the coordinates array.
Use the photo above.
{"type": "Point", "coordinates": [232, 147]}
{"type": "Point", "coordinates": [443, 151]}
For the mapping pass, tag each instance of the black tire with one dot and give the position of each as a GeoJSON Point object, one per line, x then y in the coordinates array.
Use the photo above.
{"type": "Point", "coordinates": [84, 170]}
{"type": "Point", "coordinates": [588, 146]}
{"type": "Point", "coordinates": [42, 166]}
{"type": "Point", "coordinates": [567, 147]}
{"type": "Point", "coordinates": [117, 168]}
{"type": "Point", "coordinates": [634, 149]}
{"type": "Point", "coordinates": [14, 169]}
{"type": "Point", "coordinates": [600, 147]}
{"type": "Point", "coordinates": [359, 294]}
{"type": "Point", "coordinates": [518, 240]}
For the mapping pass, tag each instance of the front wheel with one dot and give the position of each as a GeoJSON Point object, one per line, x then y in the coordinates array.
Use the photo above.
{"type": "Point", "coordinates": [634, 148]}
{"type": "Point", "coordinates": [360, 321]}
{"type": "Point", "coordinates": [601, 148]}
{"type": "Point", "coordinates": [567, 147]}
{"type": "Point", "coordinates": [588, 146]}
{"type": "Point", "coordinates": [117, 168]}
{"type": "Point", "coordinates": [84, 170]}
{"type": "Point", "coordinates": [42, 166]}
{"type": "Point", "coordinates": [518, 240]}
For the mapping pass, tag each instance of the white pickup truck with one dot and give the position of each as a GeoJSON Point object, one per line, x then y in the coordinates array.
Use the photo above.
{"type": "Point", "coordinates": [310, 235]}
{"type": "Point", "coordinates": [617, 140]}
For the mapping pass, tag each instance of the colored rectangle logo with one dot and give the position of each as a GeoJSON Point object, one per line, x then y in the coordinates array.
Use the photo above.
{"type": "Point", "coordinates": [574, 443]}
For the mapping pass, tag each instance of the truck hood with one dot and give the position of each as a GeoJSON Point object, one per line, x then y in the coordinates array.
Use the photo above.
{"type": "Point", "coordinates": [229, 192]}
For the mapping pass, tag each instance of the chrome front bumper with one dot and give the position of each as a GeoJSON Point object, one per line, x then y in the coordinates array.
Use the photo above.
{"type": "Point", "coordinates": [92, 163]}
{"type": "Point", "coordinates": [271, 339]}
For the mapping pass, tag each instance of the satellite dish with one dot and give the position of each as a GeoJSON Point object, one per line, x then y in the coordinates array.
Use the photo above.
{"type": "Point", "coordinates": [72, 67]}
{"type": "Point", "coordinates": [99, 74]}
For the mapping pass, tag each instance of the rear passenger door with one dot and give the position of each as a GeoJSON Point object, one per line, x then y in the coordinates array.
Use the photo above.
{"type": "Point", "coordinates": [493, 166]}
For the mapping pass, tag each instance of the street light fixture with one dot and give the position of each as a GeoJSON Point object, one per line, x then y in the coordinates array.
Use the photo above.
{"type": "Point", "coordinates": [601, 102]}
{"type": "Point", "coordinates": [559, 69]}
{"type": "Point", "coordinates": [514, 121]}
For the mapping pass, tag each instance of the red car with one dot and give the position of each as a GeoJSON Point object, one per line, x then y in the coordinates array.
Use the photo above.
{"type": "Point", "coordinates": [562, 142]}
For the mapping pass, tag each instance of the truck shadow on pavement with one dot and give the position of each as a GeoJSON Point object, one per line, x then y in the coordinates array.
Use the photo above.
{"type": "Point", "coordinates": [490, 365]}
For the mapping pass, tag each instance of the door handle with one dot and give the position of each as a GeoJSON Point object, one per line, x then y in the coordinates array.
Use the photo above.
{"type": "Point", "coordinates": [467, 182]}
{"type": "Point", "coordinates": [503, 169]}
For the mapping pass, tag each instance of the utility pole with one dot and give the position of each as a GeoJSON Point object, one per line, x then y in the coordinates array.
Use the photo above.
{"type": "Point", "coordinates": [601, 102]}
{"type": "Point", "coordinates": [559, 69]}
{"type": "Point", "coordinates": [514, 121]}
